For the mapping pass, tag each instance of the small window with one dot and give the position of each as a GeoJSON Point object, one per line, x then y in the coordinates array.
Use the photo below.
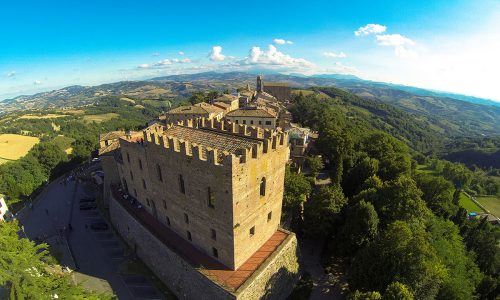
{"type": "Point", "coordinates": [260, 122]}
{"type": "Point", "coordinates": [251, 122]}
{"type": "Point", "coordinates": [186, 218]}
{"type": "Point", "coordinates": [147, 202]}
{"type": "Point", "coordinates": [158, 172]}
{"type": "Point", "coordinates": [181, 185]}
{"type": "Point", "coordinates": [211, 198]}
{"type": "Point", "coordinates": [268, 122]}
{"type": "Point", "coordinates": [213, 234]}
{"type": "Point", "coordinates": [236, 121]}
{"type": "Point", "coordinates": [215, 252]}
{"type": "Point", "coordinates": [269, 216]}
{"type": "Point", "coordinates": [125, 185]}
{"type": "Point", "coordinates": [189, 236]}
{"type": "Point", "coordinates": [128, 157]}
{"type": "Point", "coordinates": [168, 221]}
{"type": "Point", "coordinates": [131, 175]}
{"type": "Point", "coordinates": [165, 204]}
{"type": "Point", "coordinates": [252, 231]}
{"type": "Point", "coordinates": [140, 164]}
{"type": "Point", "coordinates": [244, 121]}
{"type": "Point", "coordinates": [263, 186]}
{"type": "Point", "coordinates": [135, 193]}
{"type": "Point", "coordinates": [144, 184]}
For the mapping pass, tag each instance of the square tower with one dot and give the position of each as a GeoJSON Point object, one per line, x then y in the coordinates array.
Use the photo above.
{"type": "Point", "coordinates": [217, 184]}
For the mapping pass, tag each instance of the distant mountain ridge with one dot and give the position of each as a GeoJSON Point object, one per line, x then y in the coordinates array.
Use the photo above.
{"type": "Point", "coordinates": [451, 116]}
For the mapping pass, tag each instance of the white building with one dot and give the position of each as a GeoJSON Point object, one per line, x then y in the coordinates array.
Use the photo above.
{"type": "Point", "coordinates": [3, 208]}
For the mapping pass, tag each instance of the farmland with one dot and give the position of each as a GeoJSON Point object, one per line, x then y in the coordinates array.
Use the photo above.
{"type": "Point", "coordinates": [468, 204]}
{"type": "Point", "coordinates": [15, 146]}
{"type": "Point", "coordinates": [100, 118]}
{"type": "Point", "coordinates": [491, 203]}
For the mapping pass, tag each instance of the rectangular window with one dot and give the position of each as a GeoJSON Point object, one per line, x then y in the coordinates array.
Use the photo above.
{"type": "Point", "coordinates": [269, 216]}
{"type": "Point", "coordinates": [211, 198]}
{"type": "Point", "coordinates": [260, 122]}
{"type": "Point", "coordinates": [168, 221]}
{"type": "Point", "coordinates": [214, 234]}
{"type": "Point", "coordinates": [186, 218]}
{"type": "Point", "coordinates": [268, 122]}
{"type": "Point", "coordinates": [128, 157]}
{"type": "Point", "coordinates": [244, 121]}
{"type": "Point", "coordinates": [189, 236]}
{"type": "Point", "coordinates": [236, 121]}
{"type": "Point", "coordinates": [215, 252]}
{"type": "Point", "coordinates": [181, 184]}
{"type": "Point", "coordinates": [131, 175]}
{"type": "Point", "coordinates": [144, 184]}
{"type": "Point", "coordinates": [251, 122]}
{"type": "Point", "coordinates": [165, 204]}
{"type": "Point", "coordinates": [252, 231]}
{"type": "Point", "coordinates": [140, 164]}
{"type": "Point", "coordinates": [158, 172]}
{"type": "Point", "coordinates": [135, 193]}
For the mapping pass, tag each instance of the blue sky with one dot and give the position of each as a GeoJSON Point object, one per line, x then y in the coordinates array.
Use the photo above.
{"type": "Point", "coordinates": [443, 45]}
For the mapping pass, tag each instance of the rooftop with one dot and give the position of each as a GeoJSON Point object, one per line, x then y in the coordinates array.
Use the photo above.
{"type": "Point", "coordinates": [210, 138]}
{"type": "Point", "coordinates": [229, 279]}
{"type": "Point", "coordinates": [112, 135]}
{"type": "Point", "coordinates": [200, 108]}
{"type": "Point", "coordinates": [251, 112]}
{"type": "Point", "coordinates": [226, 98]}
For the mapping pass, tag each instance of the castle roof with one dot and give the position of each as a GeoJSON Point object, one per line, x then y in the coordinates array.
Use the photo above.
{"type": "Point", "coordinates": [112, 135]}
{"type": "Point", "coordinates": [199, 109]}
{"type": "Point", "coordinates": [226, 98]}
{"type": "Point", "coordinates": [210, 138]}
{"type": "Point", "coordinates": [251, 112]}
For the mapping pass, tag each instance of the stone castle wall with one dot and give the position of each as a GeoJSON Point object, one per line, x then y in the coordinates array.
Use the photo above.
{"type": "Point", "coordinates": [273, 280]}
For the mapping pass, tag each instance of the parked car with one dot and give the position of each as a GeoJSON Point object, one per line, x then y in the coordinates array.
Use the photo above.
{"type": "Point", "coordinates": [87, 206]}
{"type": "Point", "coordinates": [99, 226]}
{"type": "Point", "coordinates": [87, 200]}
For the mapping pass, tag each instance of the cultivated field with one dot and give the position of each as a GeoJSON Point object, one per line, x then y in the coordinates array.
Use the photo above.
{"type": "Point", "coordinates": [48, 116]}
{"type": "Point", "coordinates": [15, 146]}
{"type": "Point", "coordinates": [469, 205]}
{"type": "Point", "coordinates": [491, 203]}
{"type": "Point", "coordinates": [100, 118]}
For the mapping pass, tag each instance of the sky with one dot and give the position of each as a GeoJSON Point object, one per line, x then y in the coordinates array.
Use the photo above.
{"type": "Point", "coordinates": [451, 46]}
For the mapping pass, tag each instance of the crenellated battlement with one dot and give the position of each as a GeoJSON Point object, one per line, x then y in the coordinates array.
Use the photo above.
{"type": "Point", "coordinates": [216, 142]}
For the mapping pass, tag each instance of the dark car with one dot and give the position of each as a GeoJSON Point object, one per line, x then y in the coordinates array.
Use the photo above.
{"type": "Point", "coordinates": [99, 226]}
{"type": "Point", "coordinates": [87, 206]}
{"type": "Point", "coordinates": [87, 200]}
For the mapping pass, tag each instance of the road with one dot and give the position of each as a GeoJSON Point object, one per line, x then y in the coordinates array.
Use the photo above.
{"type": "Point", "coordinates": [97, 257]}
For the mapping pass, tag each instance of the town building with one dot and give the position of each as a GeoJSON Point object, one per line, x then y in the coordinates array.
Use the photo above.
{"type": "Point", "coordinates": [200, 202]}
{"type": "Point", "coordinates": [253, 116]}
{"type": "Point", "coordinates": [281, 91]}
{"type": "Point", "coordinates": [200, 110]}
{"type": "Point", "coordinates": [4, 210]}
{"type": "Point", "coordinates": [231, 99]}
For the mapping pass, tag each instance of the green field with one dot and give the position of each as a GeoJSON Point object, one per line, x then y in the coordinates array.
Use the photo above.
{"type": "Point", "coordinates": [491, 203]}
{"type": "Point", "coordinates": [426, 169]}
{"type": "Point", "coordinates": [468, 204]}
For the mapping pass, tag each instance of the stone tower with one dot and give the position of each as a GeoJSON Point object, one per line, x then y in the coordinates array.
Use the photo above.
{"type": "Point", "coordinates": [260, 84]}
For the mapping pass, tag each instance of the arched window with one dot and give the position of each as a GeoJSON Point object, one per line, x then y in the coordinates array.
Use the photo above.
{"type": "Point", "coordinates": [263, 186]}
{"type": "Point", "coordinates": [181, 185]}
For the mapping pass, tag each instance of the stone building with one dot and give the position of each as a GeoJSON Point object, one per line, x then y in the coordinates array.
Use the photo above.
{"type": "Point", "coordinates": [253, 116]}
{"type": "Point", "coordinates": [231, 99]}
{"type": "Point", "coordinates": [281, 91]}
{"type": "Point", "coordinates": [200, 110]}
{"type": "Point", "coordinates": [205, 196]}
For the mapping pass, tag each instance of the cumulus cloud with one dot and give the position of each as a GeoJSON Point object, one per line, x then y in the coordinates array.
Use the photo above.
{"type": "Point", "coordinates": [334, 55]}
{"type": "Point", "coordinates": [399, 42]}
{"type": "Point", "coordinates": [282, 42]}
{"type": "Point", "coordinates": [369, 29]}
{"type": "Point", "coordinates": [164, 62]}
{"type": "Point", "coordinates": [11, 74]}
{"type": "Point", "coordinates": [273, 57]}
{"type": "Point", "coordinates": [37, 82]}
{"type": "Point", "coordinates": [216, 54]}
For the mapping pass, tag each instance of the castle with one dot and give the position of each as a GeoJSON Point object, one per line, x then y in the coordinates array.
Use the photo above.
{"type": "Point", "coordinates": [200, 203]}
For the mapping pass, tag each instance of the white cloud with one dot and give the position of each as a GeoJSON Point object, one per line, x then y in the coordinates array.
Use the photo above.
{"type": "Point", "coordinates": [282, 42]}
{"type": "Point", "coordinates": [273, 57]}
{"type": "Point", "coordinates": [11, 74]}
{"type": "Point", "coordinates": [181, 53]}
{"type": "Point", "coordinates": [143, 66]}
{"type": "Point", "coordinates": [334, 55]}
{"type": "Point", "coordinates": [216, 54]}
{"type": "Point", "coordinates": [369, 29]}
{"type": "Point", "coordinates": [164, 62]}
{"type": "Point", "coordinates": [37, 82]}
{"type": "Point", "coordinates": [399, 42]}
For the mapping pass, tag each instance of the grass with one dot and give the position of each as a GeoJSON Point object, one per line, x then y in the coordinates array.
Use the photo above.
{"type": "Point", "coordinates": [64, 142]}
{"type": "Point", "coordinates": [100, 118]}
{"type": "Point", "coordinates": [426, 169]}
{"type": "Point", "coordinates": [2, 161]}
{"type": "Point", "coordinates": [47, 116]}
{"type": "Point", "coordinates": [15, 146]}
{"type": "Point", "coordinates": [491, 203]}
{"type": "Point", "coordinates": [468, 204]}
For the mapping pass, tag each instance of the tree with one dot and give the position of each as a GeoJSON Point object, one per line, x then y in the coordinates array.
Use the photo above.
{"type": "Point", "coordinates": [397, 291]}
{"type": "Point", "coordinates": [357, 295]}
{"type": "Point", "coordinates": [360, 227]}
{"type": "Point", "coordinates": [322, 211]}
{"type": "Point", "coordinates": [438, 194]}
{"type": "Point", "coordinates": [363, 169]}
{"type": "Point", "coordinates": [197, 97]}
{"type": "Point", "coordinates": [315, 164]}
{"type": "Point", "coordinates": [401, 253]}
{"type": "Point", "coordinates": [297, 191]}
{"type": "Point", "coordinates": [24, 273]}
{"type": "Point", "coordinates": [335, 144]}
{"type": "Point", "coordinates": [211, 96]}
{"type": "Point", "coordinates": [482, 238]}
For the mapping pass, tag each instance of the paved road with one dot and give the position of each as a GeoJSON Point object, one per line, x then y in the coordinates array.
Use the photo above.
{"type": "Point", "coordinates": [97, 256]}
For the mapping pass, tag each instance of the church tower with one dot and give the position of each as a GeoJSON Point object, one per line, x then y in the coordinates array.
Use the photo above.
{"type": "Point", "coordinates": [260, 84]}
